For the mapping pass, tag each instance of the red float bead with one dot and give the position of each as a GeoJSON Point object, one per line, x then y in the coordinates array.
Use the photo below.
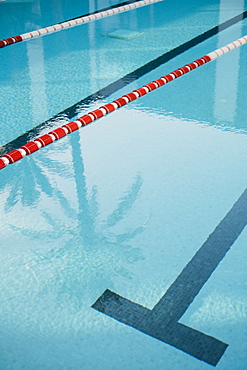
{"type": "Point", "coordinates": [185, 69]}
{"type": "Point", "coordinates": [160, 82]}
{"type": "Point", "coordinates": [131, 96]}
{"type": "Point", "coordinates": [168, 78]}
{"type": "Point", "coordinates": [10, 41]}
{"type": "Point", "coordinates": [3, 162]}
{"type": "Point", "coordinates": [85, 120]}
{"type": "Point", "coordinates": [58, 133]}
{"type": "Point", "coordinates": [206, 58]}
{"type": "Point", "coordinates": [177, 73]}
{"type": "Point", "coordinates": [2, 43]}
{"type": "Point", "coordinates": [30, 147]}
{"type": "Point", "coordinates": [17, 38]}
{"type": "Point", "coordinates": [120, 102]}
{"type": "Point", "coordinates": [141, 91]}
{"type": "Point", "coordinates": [200, 61]}
{"type": "Point", "coordinates": [151, 86]}
{"type": "Point", "coordinates": [109, 107]}
{"type": "Point", "coordinates": [97, 113]}
{"type": "Point", "coordinates": [14, 156]}
{"type": "Point", "coordinates": [191, 66]}
{"type": "Point", "coordinates": [71, 127]}
{"type": "Point", "coordinates": [45, 139]}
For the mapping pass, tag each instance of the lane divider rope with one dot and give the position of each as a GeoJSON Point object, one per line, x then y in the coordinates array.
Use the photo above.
{"type": "Point", "coordinates": [44, 140]}
{"type": "Point", "coordinates": [75, 22]}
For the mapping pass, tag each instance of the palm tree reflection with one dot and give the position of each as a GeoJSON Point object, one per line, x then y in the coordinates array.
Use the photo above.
{"type": "Point", "coordinates": [90, 253]}
{"type": "Point", "coordinates": [30, 182]}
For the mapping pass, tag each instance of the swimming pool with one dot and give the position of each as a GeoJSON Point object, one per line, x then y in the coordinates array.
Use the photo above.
{"type": "Point", "coordinates": [126, 203]}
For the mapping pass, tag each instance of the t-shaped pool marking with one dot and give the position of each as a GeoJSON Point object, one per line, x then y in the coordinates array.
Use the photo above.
{"type": "Point", "coordinates": [162, 321]}
{"type": "Point", "coordinates": [76, 22]}
{"type": "Point", "coordinates": [44, 140]}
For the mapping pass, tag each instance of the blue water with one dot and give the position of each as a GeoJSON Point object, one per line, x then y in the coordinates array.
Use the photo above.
{"type": "Point", "coordinates": [53, 73]}
{"type": "Point", "coordinates": [125, 203]}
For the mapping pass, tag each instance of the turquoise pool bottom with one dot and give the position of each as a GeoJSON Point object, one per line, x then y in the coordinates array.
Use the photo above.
{"type": "Point", "coordinates": [66, 241]}
{"type": "Point", "coordinates": [123, 205]}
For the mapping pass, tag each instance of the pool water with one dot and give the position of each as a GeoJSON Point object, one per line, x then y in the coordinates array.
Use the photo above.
{"type": "Point", "coordinates": [125, 203]}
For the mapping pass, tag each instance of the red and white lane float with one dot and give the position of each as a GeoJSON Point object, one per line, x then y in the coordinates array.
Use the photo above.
{"type": "Point", "coordinates": [44, 140]}
{"type": "Point", "coordinates": [75, 22]}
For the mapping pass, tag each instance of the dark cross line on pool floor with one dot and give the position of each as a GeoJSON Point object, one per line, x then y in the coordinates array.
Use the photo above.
{"type": "Point", "coordinates": [162, 321]}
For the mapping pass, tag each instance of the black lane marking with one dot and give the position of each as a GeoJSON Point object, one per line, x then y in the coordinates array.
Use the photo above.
{"type": "Point", "coordinates": [162, 321]}
{"type": "Point", "coordinates": [105, 92]}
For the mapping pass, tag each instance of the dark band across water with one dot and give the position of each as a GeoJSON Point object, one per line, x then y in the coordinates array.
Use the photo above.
{"type": "Point", "coordinates": [70, 112]}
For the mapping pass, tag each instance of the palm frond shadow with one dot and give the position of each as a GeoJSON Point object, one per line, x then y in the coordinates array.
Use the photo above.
{"type": "Point", "coordinates": [91, 256]}
{"type": "Point", "coordinates": [87, 253]}
{"type": "Point", "coordinates": [31, 181]}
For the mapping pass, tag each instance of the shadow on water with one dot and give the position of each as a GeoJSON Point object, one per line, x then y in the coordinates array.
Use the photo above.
{"type": "Point", "coordinates": [88, 253]}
